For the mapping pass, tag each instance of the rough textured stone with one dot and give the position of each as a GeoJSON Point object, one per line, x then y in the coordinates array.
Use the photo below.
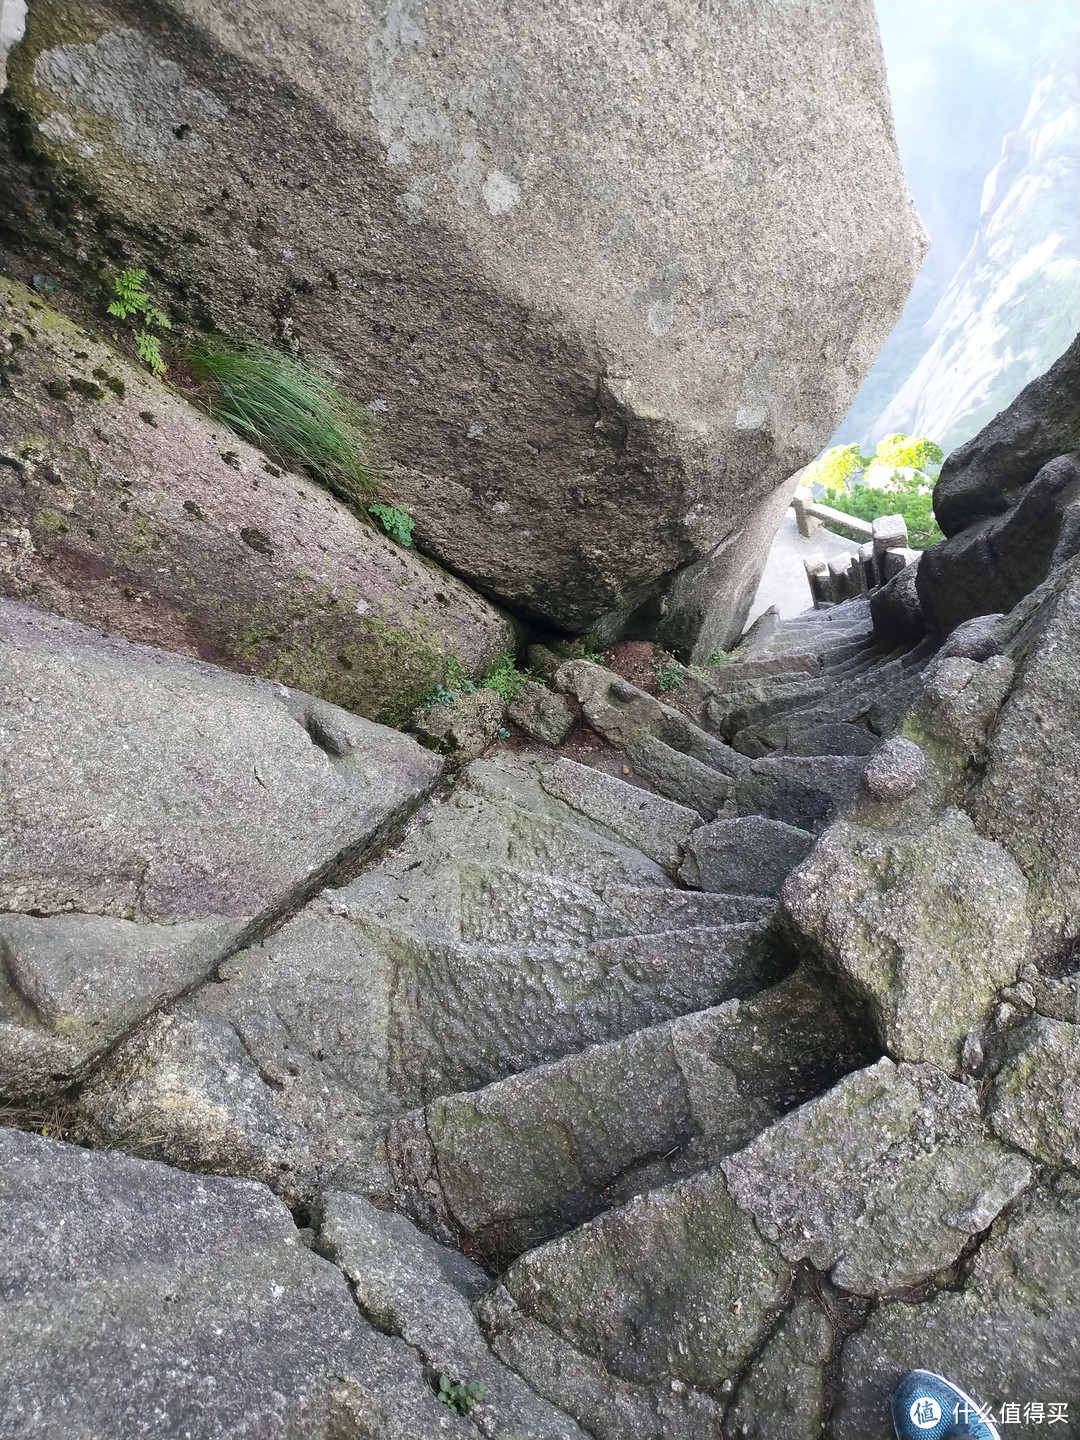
{"type": "Point", "coordinates": [588, 378]}
{"type": "Point", "coordinates": [804, 791]}
{"type": "Point", "coordinates": [238, 1329]}
{"type": "Point", "coordinates": [677, 1284]}
{"type": "Point", "coordinates": [961, 699]}
{"type": "Point", "coordinates": [542, 715]}
{"type": "Point", "coordinates": [994, 562]}
{"type": "Point", "coordinates": [71, 985]}
{"type": "Point", "coordinates": [413, 1288]}
{"type": "Point", "coordinates": [680, 759]}
{"type": "Point", "coordinates": [428, 975]}
{"type": "Point", "coordinates": [897, 770]}
{"type": "Point", "coordinates": [924, 920]}
{"type": "Point", "coordinates": [1029, 796]}
{"type": "Point", "coordinates": [976, 639]}
{"type": "Point", "coordinates": [881, 1182]}
{"type": "Point", "coordinates": [157, 813]}
{"type": "Point", "coordinates": [127, 508]}
{"type": "Point", "coordinates": [520, 1160]}
{"type": "Point", "coordinates": [748, 855]}
{"type": "Point", "coordinates": [146, 786]}
{"type": "Point", "coordinates": [611, 1408]}
{"type": "Point", "coordinates": [838, 738]}
{"type": "Point", "coordinates": [1012, 1333]}
{"type": "Point", "coordinates": [782, 1396]}
{"type": "Point", "coordinates": [988, 475]}
{"type": "Point", "coordinates": [658, 828]}
{"type": "Point", "coordinates": [897, 609]}
{"type": "Point", "coordinates": [461, 728]}
{"type": "Point", "coordinates": [1035, 1100]}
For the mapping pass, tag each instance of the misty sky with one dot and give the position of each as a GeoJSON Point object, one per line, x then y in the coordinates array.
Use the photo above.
{"type": "Point", "coordinates": [961, 73]}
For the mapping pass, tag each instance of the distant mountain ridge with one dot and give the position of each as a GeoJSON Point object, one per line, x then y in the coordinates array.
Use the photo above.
{"type": "Point", "coordinates": [1013, 305]}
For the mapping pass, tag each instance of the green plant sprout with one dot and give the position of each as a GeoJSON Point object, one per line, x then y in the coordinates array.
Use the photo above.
{"type": "Point", "coordinates": [397, 523]}
{"type": "Point", "coordinates": [460, 1398]}
{"type": "Point", "coordinates": [132, 302]}
{"type": "Point", "coordinates": [293, 411]}
{"type": "Point", "coordinates": [668, 674]}
{"type": "Point", "coordinates": [506, 679]}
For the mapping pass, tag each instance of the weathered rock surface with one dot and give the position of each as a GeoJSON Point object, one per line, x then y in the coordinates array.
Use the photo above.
{"type": "Point", "coordinates": [409, 1286]}
{"type": "Point", "coordinates": [658, 828]}
{"type": "Point", "coordinates": [522, 1159]}
{"type": "Point", "coordinates": [1029, 795]}
{"type": "Point", "coordinates": [897, 771]}
{"type": "Point", "coordinates": [132, 1292]}
{"type": "Point", "coordinates": [126, 508]}
{"type": "Point", "coordinates": [444, 968]}
{"type": "Point", "coordinates": [147, 786]}
{"type": "Point", "coordinates": [782, 1397]}
{"type": "Point", "coordinates": [1007, 501]}
{"type": "Point", "coordinates": [73, 984]}
{"type": "Point", "coordinates": [156, 811]}
{"type": "Point", "coordinates": [920, 1176]}
{"type": "Point", "coordinates": [675, 1285]}
{"type": "Point", "coordinates": [463, 726]}
{"type": "Point", "coordinates": [923, 919]}
{"type": "Point", "coordinates": [961, 700]}
{"type": "Point", "coordinates": [992, 564]}
{"type": "Point", "coordinates": [1012, 1334]}
{"type": "Point", "coordinates": [989, 474]}
{"type": "Point", "coordinates": [1035, 1100]}
{"type": "Point", "coordinates": [595, 363]}
{"type": "Point", "coordinates": [541, 714]}
{"type": "Point", "coordinates": [749, 854]}
{"type": "Point", "coordinates": [897, 608]}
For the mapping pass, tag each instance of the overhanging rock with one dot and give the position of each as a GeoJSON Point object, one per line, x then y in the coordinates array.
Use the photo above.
{"type": "Point", "coordinates": [610, 274]}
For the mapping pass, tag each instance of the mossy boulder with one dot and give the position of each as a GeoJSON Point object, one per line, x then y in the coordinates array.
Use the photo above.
{"type": "Point", "coordinates": [921, 919]}
{"type": "Point", "coordinates": [131, 510]}
{"type": "Point", "coordinates": [596, 397]}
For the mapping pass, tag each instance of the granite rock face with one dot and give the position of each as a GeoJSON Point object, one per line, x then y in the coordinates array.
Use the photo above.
{"type": "Point", "coordinates": [1009, 503]}
{"type": "Point", "coordinates": [1010, 1335]}
{"type": "Point", "coordinates": [157, 812]}
{"type": "Point", "coordinates": [923, 919]}
{"type": "Point", "coordinates": [597, 419]}
{"type": "Point", "coordinates": [989, 474]}
{"type": "Point", "coordinates": [1028, 798]}
{"type": "Point", "coordinates": [126, 508]}
{"type": "Point", "coordinates": [238, 1328]}
{"type": "Point", "coordinates": [650, 1290]}
{"type": "Point", "coordinates": [1035, 1100]}
{"type": "Point", "coordinates": [920, 1176]}
{"type": "Point", "coordinates": [423, 1292]}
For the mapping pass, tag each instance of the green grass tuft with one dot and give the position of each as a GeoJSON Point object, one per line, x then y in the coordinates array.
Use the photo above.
{"type": "Point", "coordinates": [290, 409]}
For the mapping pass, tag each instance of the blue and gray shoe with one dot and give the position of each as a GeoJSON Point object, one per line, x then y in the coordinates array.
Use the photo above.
{"type": "Point", "coordinates": [927, 1407]}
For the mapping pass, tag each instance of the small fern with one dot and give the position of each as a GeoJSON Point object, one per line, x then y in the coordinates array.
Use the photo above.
{"type": "Point", "coordinates": [132, 302]}
{"type": "Point", "coordinates": [397, 523]}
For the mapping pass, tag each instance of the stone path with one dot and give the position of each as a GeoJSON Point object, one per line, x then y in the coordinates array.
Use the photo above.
{"type": "Point", "coordinates": [583, 1028]}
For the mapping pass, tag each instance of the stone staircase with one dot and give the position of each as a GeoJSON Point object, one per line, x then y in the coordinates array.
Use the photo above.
{"type": "Point", "coordinates": [566, 986]}
{"type": "Point", "coordinates": [564, 1027]}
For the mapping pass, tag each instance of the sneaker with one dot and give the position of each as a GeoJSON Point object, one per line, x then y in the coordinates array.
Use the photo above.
{"type": "Point", "coordinates": [926, 1407]}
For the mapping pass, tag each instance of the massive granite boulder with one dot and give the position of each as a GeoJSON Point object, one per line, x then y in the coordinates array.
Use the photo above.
{"type": "Point", "coordinates": [125, 507]}
{"type": "Point", "coordinates": [610, 274]}
{"type": "Point", "coordinates": [135, 1297]}
{"type": "Point", "coordinates": [157, 812]}
{"type": "Point", "coordinates": [1009, 503]}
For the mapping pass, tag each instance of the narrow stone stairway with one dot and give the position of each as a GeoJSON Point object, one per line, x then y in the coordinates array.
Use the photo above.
{"type": "Point", "coordinates": [565, 987]}
{"type": "Point", "coordinates": [558, 1080]}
